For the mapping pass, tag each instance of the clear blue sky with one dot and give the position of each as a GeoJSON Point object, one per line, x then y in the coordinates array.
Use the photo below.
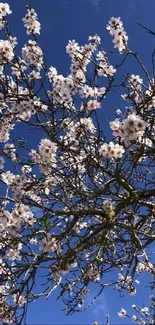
{"type": "Point", "coordinates": [77, 19]}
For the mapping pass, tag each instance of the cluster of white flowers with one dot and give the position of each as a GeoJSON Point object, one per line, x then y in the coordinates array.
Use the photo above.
{"type": "Point", "coordinates": [26, 108]}
{"type": "Point", "coordinates": [7, 177]}
{"type": "Point", "coordinates": [80, 57]}
{"type": "Point", "coordinates": [4, 10]}
{"type": "Point", "coordinates": [14, 89]}
{"type": "Point", "coordinates": [34, 75]}
{"type": "Point", "coordinates": [104, 69]}
{"type": "Point", "coordinates": [17, 183]}
{"type": "Point", "coordinates": [14, 254]}
{"type": "Point", "coordinates": [149, 93]}
{"type": "Point", "coordinates": [92, 104]}
{"type": "Point", "coordinates": [50, 244]}
{"type": "Point", "coordinates": [116, 29]}
{"type": "Point", "coordinates": [46, 158]}
{"type": "Point", "coordinates": [87, 91]}
{"type": "Point", "coordinates": [126, 282]}
{"type": "Point", "coordinates": [137, 94]}
{"type": "Point", "coordinates": [23, 110]}
{"type": "Point", "coordinates": [63, 89]}
{"type": "Point", "coordinates": [18, 69]}
{"type": "Point", "coordinates": [52, 73]}
{"type": "Point", "coordinates": [130, 129]}
{"type": "Point", "coordinates": [32, 54]}
{"type": "Point", "coordinates": [31, 21]}
{"type": "Point", "coordinates": [9, 224]}
{"type": "Point", "coordinates": [24, 213]}
{"type": "Point", "coordinates": [143, 316]}
{"type": "Point", "coordinates": [11, 221]}
{"type": "Point", "coordinates": [76, 163]}
{"type": "Point", "coordinates": [5, 127]}
{"type": "Point", "coordinates": [111, 150]}
{"type": "Point", "coordinates": [47, 149]}
{"type": "Point", "coordinates": [6, 52]}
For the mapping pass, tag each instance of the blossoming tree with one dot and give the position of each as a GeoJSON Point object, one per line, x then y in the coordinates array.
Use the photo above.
{"type": "Point", "coordinates": [76, 207]}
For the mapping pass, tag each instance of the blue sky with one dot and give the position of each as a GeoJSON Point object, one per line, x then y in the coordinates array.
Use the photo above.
{"type": "Point", "coordinates": [78, 19]}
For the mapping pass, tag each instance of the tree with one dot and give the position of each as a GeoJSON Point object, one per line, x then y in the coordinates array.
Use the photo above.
{"type": "Point", "coordinates": [78, 206]}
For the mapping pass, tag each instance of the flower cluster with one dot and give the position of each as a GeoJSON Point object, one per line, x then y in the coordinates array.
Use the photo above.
{"type": "Point", "coordinates": [87, 91]}
{"type": "Point", "coordinates": [6, 126]}
{"type": "Point", "coordinates": [46, 158]}
{"type": "Point", "coordinates": [104, 68]}
{"type": "Point", "coordinates": [17, 183]}
{"type": "Point", "coordinates": [50, 244]}
{"type": "Point", "coordinates": [111, 150]}
{"type": "Point", "coordinates": [63, 88]}
{"type": "Point", "coordinates": [4, 10]}
{"type": "Point", "coordinates": [26, 108]}
{"type": "Point", "coordinates": [33, 55]}
{"type": "Point", "coordinates": [6, 52]}
{"type": "Point", "coordinates": [91, 105]}
{"type": "Point", "coordinates": [143, 316]}
{"type": "Point", "coordinates": [31, 21]}
{"type": "Point", "coordinates": [126, 282]}
{"type": "Point", "coordinates": [130, 129]}
{"type": "Point", "coordinates": [116, 29]}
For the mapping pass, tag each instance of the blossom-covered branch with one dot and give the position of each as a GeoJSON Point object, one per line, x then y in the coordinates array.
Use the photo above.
{"type": "Point", "coordinates": [74, 206]}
